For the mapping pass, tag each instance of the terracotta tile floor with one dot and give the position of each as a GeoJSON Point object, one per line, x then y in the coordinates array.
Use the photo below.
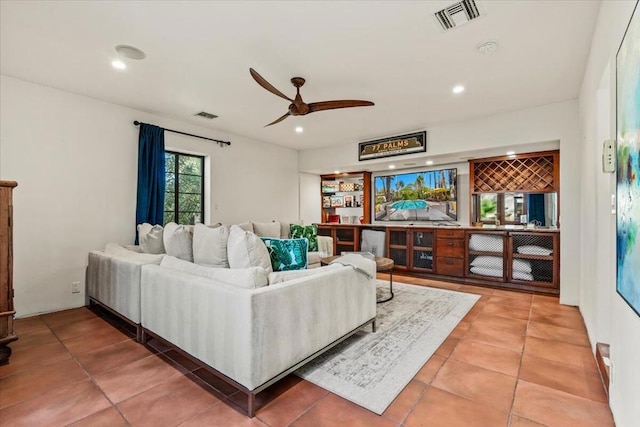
{"type": "Point", "coordinates": [515, 360]}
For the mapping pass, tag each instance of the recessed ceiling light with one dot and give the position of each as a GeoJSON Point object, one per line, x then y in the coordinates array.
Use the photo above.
{"type": "Point", "coordinates": [130, 52]}
{"type": "Point", "coordinates": [429, 162]}
{"type": "Point", "coordinates": [487, 47]}
{"type": "Point", "coordinates": [512, 156]}
{"type": "Point", "coordinates": [336, 172]}
{"type": "Point", "coordinates": [392, 166]}
{"type": "Point", "coordinates": [510, 153]}
{"type": "Point", "coordinates": [118, 64]}
{"type": "Point", "coordinates": [299, 129]}
{"type": "Point", "coordinates": [458, 89]}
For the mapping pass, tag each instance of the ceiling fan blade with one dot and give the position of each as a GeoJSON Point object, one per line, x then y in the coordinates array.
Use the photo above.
{"type": "Point", "coordinates": [268, 86]}
{"type": "Point", "coordinates": [279, 119]}
{"type": "Point", "coordinates": [332, 105]}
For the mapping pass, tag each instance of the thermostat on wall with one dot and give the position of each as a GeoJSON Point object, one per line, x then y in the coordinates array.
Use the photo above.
{"type": "Point", "coordinates": [609, 156]}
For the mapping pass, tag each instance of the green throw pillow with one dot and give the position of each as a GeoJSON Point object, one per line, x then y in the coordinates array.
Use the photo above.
{"type": "Point", "coordinates": [287, 254]}
{"type": "Point", "coordinates": [309, 232]}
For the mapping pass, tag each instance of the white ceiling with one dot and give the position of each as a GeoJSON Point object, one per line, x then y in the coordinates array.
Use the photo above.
{"type": "Point", "coordinates": [391, 52]}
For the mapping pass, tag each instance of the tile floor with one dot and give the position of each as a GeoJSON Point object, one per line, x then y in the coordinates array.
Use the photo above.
{"type": "Point", "coordinates": [515, 360]}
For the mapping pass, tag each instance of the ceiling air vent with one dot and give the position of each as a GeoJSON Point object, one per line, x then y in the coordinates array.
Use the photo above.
{"type": "Point", "coordinates": [458, 14]}
{"type": "Point", "coordinates": [206, 115]}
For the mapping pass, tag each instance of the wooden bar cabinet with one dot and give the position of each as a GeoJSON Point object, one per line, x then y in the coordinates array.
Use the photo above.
{"type": "Point", "coordinates": [7, 334]}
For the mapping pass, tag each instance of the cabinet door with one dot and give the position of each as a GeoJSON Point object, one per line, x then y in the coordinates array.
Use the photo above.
{"type": "Point", "coordinates": [397, 247]}
{"type": "Point", "coordinates": [486, 255]}
{"type": "Point", "coordinates": [534, 259]}
{"type": "Point", "coordinates": [347, 239]}
{"type": "Point", "coordinates": [421, 250]}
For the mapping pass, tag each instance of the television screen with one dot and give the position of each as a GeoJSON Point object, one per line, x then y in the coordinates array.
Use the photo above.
{"type": "Point", "coordinates": [416, 196]}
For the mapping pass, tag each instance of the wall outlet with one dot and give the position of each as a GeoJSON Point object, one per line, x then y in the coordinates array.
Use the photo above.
{"type": "Point", "coordinates": [75, 287]}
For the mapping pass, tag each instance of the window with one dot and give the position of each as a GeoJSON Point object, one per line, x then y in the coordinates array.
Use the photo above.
{"type": "Point", "coordinates": [504, 207]}
{"type": "Point", "coordinates": [488, 207]}
{"type": "Point", "coordinates": [184, 197]}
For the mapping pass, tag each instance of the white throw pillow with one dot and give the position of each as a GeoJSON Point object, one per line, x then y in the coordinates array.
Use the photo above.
{"type": "Point", "coordinates": [249, 278]}
{"type": "Point", "coordinates": [116, 250]}
{"type": "Point", "coordinates": [245, 250]}
{"type": "Point", "coordinates": [486, 242]}
{"type": "Point", "coordinates": [150, 238]}
{"type": "Point", "coordinates": [534, 250]}
{"type": "Point", "coordinates": [484, 271]}
{"type": "Point", "coordinates": [178, 241]}
{"type": "Point", "coordinates": [488, 262]}
{"type": "Point", "coordinates": [210, 245]}
{"type": "Point", "coordinates": [284, 276]}
{"type": "Point", "coordinates": [522, 266]}
{"type": "Point", "coordinates": [267, 229]}
{"type": "Point", "coordinates": [246, 226]}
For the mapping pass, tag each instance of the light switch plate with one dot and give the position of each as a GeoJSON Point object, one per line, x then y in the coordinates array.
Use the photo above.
{"type": "Point", "coordinates": [609, 156]}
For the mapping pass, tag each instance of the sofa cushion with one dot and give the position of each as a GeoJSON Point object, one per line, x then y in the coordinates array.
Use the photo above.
{"type": "Point", "coordinates": [150, 238]}
{"type": "Point", "coordinates": [284, 276]}
{"type": "Point", "coordinates": [246, 226]}
{"type": "Point", "coordinates": [116, 250]}
{"type": "Point", "coordinates": [313, 258]}
{"type": "Point", "coordinates": [178, 241]}
{"type": "Point", "coordinates": [245, 249]}
{"type": "Point", "coordinates": [287, 254]}
{"type": "Point", "coordinates": [250, 278]}
{"type": "Point", "coordinates": [210, 245]}
{"type": "Point", "coordinates": [285, 228]}
{"type": "Point", "coordinates": [309, 232]}
{"type": "Point", "coordinates": [267, 229]}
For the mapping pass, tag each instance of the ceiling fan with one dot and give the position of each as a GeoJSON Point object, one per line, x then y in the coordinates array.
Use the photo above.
{"type": "Point", "coordinates": [298, 107]}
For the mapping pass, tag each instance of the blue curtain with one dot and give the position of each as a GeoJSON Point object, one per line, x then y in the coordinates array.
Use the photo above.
{"type": "Point", "coordinates": [535, 208]}
{"type": "Point", "coordinates": [151, 176]}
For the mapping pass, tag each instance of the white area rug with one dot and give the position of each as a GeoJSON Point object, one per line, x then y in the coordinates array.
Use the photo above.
{"type": "Point", "coordinates": [371, 369]}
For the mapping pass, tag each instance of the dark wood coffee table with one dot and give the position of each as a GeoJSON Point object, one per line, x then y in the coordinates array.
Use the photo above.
{"type": "Point", "coordinates": [383, 265]}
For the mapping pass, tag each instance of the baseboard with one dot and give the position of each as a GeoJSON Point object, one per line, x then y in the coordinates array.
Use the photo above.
{"type": "Point", "coordinates": [602, 358]}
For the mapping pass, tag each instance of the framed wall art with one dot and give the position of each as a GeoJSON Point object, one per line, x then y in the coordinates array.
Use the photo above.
{"type": "Point", "coordinates": [628, 165]}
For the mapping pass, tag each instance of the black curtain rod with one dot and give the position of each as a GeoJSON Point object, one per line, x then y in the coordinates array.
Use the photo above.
{"type": "Point", "coordinates": [188, 134]}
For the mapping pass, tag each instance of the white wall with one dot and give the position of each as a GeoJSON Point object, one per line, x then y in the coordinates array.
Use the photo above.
{"type": "Point", "coordinates": [541, 126]}
{"type": "Point", "coordinates": [75, 161]}
{"type": "Point", "coordinates": [608, 318]}
{"type": "Point", "coordinates": [310, 211]}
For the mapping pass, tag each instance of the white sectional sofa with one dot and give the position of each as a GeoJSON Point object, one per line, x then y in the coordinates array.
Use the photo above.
{"type": "Point", "coordinates": [249, 326]}
{"type": "Point", "coordinates": [113, 281]}
{"type": "Point", "coordinates": [254, 337]}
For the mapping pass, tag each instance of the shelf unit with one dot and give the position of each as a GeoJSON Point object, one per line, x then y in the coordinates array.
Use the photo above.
{"type": "Point", "coordinates": [531, 172]}
{"type": "Point", "coordinates": [523, 175]}
{"type": "Point", "coordinates": [451, 253]}
{"type": "Point", "coordinates": [356, 187]}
